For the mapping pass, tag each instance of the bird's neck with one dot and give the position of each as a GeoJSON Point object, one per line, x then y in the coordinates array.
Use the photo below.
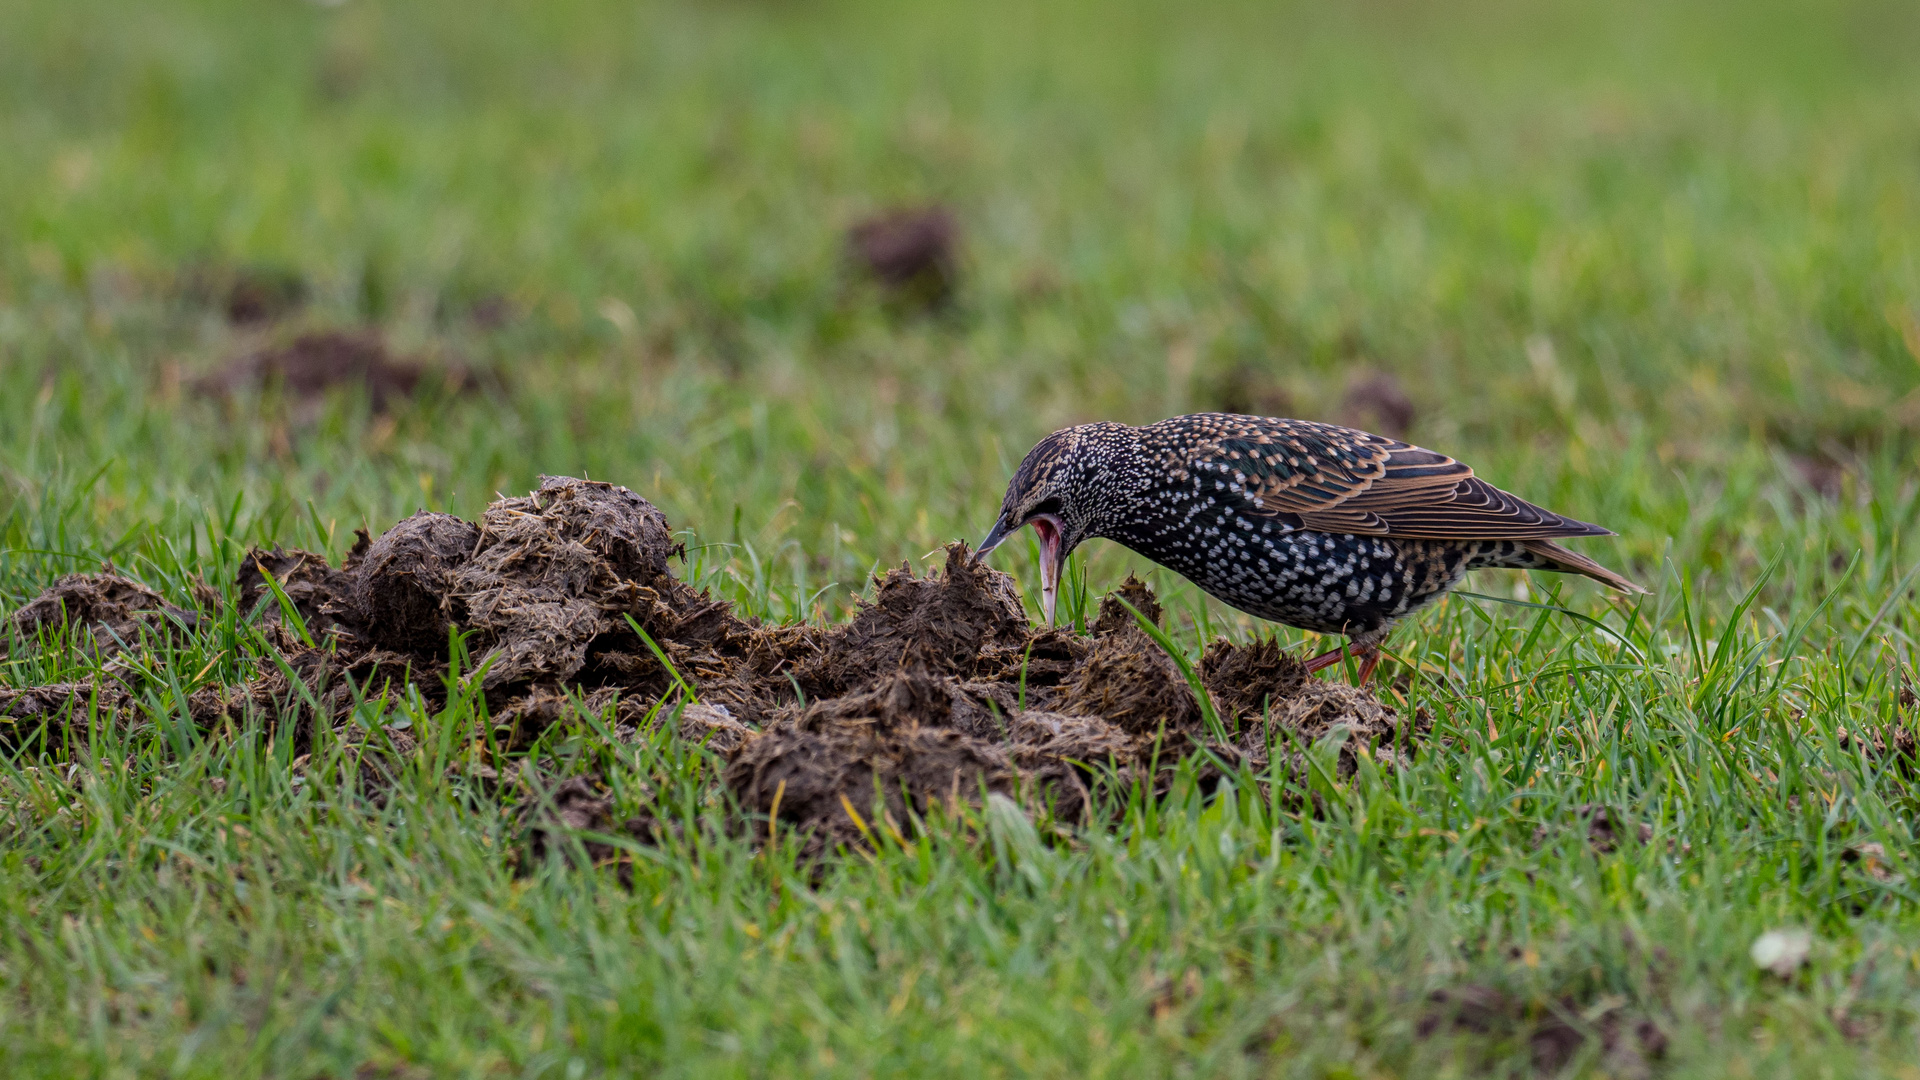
{"type": "Point", "coordinates": [1116, 480]}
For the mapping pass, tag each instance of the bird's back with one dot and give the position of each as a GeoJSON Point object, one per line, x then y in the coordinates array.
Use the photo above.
{"type": "Point", "coordinates": [1325, 527]}
{"type": "Point", "coordinates": [1332, 479]}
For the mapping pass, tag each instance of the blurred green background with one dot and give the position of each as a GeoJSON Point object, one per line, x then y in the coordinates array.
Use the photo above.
{"type": "Point", "coordinates": [1587, 242]}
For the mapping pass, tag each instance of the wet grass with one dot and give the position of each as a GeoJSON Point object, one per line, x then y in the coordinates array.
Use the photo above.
{"type": "Point", "coordinates": [1652, 265]}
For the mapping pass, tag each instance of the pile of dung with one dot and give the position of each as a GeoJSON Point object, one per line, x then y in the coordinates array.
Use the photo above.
{"type": "Point", "coordinates": [305, 368]}
{"type": "Point", "coordinates": [42, 716]}
{"type": "Point", "coordinates": [1555, 1030]}
{"type": "Point", "coordinates": [912, 252]}
{"type": "Point", "coordinates": [117, 611]}
{"type": "Point", "coordinates": [247, 295]}
{"type": "Point", "coordinates": [935, 693]}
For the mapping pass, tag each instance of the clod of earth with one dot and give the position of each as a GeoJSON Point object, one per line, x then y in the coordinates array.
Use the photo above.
{"type": "Point", "coordinates": [1376, 402]}
{"type": "Point", "coordinates": [311, 585]}
{"type": "Point", "coordinates": [117, 610]}
{"type": "Point", "coordinates": [262, 294]}
{"type": "Point", "coordinates": [827, 777]}
{"type": "Point", "coordinates": [402, 589]}
{"type": "Point", "coordinates": [1871, 857]}
{"type": "Point", "coordinates": [1129, 680]}
{"type": "Point", "coordinates": [1323, 708]}
{"type": "Point", "coordinates": [45, 716]}
{"type": "Point", "coordinates": [1554, 1031]}
{"type": "Point", "coordinates": [936, 692]}
{"type": "Point", "coordinates": [553, 572]}
{"type": "Point", "coordinates": [1605, 826]}
{"type": "Point", "coordinates": [1823, 474]}
{"type": "Point", "coordinates": [912, 252]}
{"type": "Point", "coordinates": [940, 623]}
{"type": "Point", "coordinates": [1248, 681]}
{"type": "Point", "coordinates": [491, 312]}
{"type": "Point", "coordinates": [572, 805]}
{"type": "Point", "coordinates": [311, 364]}
{"type": "Point", "coordinates": [1895, 741]}
{"type": "Point", "coordinates": [552, 814]}
{"type": "Point", "coordinates": [245, 294]}
{"type": "Point", "coordinates": [1242, 388]}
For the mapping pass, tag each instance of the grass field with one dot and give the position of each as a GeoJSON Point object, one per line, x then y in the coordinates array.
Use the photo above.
{"type": "Point", "coordinates": [1653, 265]}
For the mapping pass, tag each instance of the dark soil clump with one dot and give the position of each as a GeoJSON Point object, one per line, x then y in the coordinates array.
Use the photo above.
{"type": "Point", "coordinates": [940, 622]}
{"type": "Point", "coordinates": [1041, 738]}
{"type": "Point", "coordinates": [1128, 679]}
{"type": "Point", "coordinates": [316, 590]}
{"type": "Point", "coordinates": [554, 571]}
{"type": "Point", "coordinates": [317, 687]}
{"type": "Point", "coordinates": [826, 768]}
{"type": "Point", "coordinates": [912, 252]}
{"type": "Point", "coordinates": [116, 610]}
{"type": "Point", "coordinates": [1823, 474]}
{"type": "Point", "coordinates": [402, 588]}
{"type": "Point", "coordinates": [1114, 616]}
{"type": "Point", "coordinates": [1604, 827]}
{"type": "Point", "coordinates": [1376, 402]}
{"type": "Point", "coordinates": [827, 779]}
{"type": "Point", "coordinates": [573, 805]}
{"type": "Point", "coordinates": [936, 691]}
{"type": "Point", "coordinates": [1242, 388]}
{"type": "Point", "coordinates": [1247, 680]}
{"type": "Point", "coordinates": [1894, 743]}
{"type": "Point", "coordinates": [1323, 708]}
{"type": "Point", "coordinates": [47, 714]}
{"type": "Point", "coordinates": [245, 294]}
{"type": "Point", "coordinates": [262, 294]}
{"type": "Point", "coordinates": [1553, 1031]}
{"type": "Point", "coordinates": [313, 363]}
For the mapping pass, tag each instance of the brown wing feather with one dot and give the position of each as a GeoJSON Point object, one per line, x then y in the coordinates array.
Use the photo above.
{"type": "Point", "coordinates": [1335, 479]}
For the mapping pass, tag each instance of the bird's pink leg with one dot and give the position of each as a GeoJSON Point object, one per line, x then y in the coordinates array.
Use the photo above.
{"type": "Point", "coordinates": [1366, 646]}
{"type": "Point", "coordinates": [1326, 659]}
{"type": "Point", "coordinates": [1367, 665]}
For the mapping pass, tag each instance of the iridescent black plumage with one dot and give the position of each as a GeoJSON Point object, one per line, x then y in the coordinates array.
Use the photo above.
{"type": "Point", "coordinates": [1321, 527]}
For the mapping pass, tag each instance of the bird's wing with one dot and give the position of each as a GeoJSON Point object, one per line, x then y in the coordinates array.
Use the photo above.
{"type": "Point", "coordinates": [1335, 479]}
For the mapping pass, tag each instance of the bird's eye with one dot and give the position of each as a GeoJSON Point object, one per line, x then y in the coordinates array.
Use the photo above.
{"type": "Point", "coordinates": [1044, 506]}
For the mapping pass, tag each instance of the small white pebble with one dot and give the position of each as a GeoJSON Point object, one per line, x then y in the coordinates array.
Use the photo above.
{"type": "Point", "coordinates": [1781, 951]}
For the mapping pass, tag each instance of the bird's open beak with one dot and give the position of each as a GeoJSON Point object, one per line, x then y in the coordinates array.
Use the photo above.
{"type": "Point", "coordinates": [995, 535]}
{"type": "Point", "coordinates": [1051, 555]}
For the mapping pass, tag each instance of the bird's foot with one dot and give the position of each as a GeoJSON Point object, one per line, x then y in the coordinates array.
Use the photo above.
{"type": "Point", "coordinates": [1369, 658]}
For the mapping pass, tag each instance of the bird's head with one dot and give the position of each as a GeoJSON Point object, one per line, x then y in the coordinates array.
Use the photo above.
{"type": "Point", "coordinates": [1060, 489]}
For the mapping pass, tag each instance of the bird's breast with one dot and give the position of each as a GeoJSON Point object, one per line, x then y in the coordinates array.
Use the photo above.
{"type": "Point", "coordinates": [1325, 582]}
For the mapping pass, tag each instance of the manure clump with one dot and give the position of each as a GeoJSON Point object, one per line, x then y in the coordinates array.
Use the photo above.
{"type": "Point", "coordinates": [305, 368]}
{"type": "Point", "coordinates": [1247, 680]}
{"type": "Point", "coordinates": [1128, 679]}
{"type": "Point", "coordinates": [116, 610]}
{"type": "Point", "coordinates": [315, 589]}
{"type": "Point", "coordinates": [936, 692]}
{"type": "Point", "coordinates": [47, 715]}
{"type": "Point", "coordinates": [912, 252]}
{"type": "Point", "coordinates": [941, 622]}
{"type": "Point", "coordinates": [402, 589]}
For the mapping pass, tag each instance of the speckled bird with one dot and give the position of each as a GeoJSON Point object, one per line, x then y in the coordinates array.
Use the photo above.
{"type": "Point", "coordinates": [1313, 525]}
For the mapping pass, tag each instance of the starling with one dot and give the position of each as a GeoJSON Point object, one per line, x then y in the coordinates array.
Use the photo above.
{"type": "Point", "coordinates": [1317, 526]}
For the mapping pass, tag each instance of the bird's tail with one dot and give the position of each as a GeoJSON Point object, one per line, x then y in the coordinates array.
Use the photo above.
{"type": "Point", "coordinates": [1564, 561]}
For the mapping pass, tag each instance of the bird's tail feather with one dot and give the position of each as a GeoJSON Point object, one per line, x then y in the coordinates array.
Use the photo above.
{"type": "Point", "coordinates": [1572, 562]}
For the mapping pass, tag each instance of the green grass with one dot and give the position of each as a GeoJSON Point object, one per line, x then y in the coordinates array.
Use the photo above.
{"type": "Point", "coordinates": [1645, 263]}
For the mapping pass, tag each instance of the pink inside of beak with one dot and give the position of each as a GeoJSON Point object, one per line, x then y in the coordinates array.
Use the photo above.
{"type": "Point", "coordinates": [1048, 528]}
